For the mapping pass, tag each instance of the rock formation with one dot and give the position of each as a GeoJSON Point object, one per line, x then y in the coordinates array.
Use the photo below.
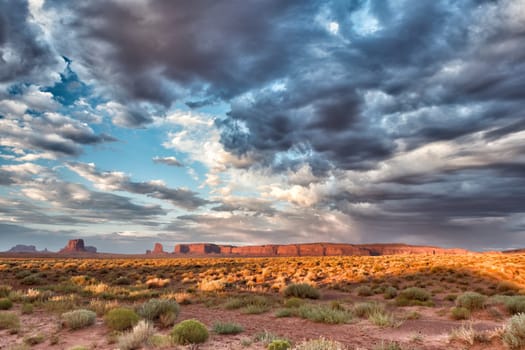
{"type": "Point", "coordinates": [21, 248]}
{"type": "Point", "coordinates": [312, 249]}
{"type": "Point", "coordinates": [157, 249]}
{"type": "Point", "coordinates": [77, 246]}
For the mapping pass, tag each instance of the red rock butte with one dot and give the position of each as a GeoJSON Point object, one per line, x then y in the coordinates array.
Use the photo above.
{"type": "Point", "coordinates": [311, 249]}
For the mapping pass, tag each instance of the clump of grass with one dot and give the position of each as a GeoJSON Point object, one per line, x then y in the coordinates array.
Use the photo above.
{"type": "Point", "coordinates": [136, 337]}
{"type": "Point", "coordinates": [451, 297]}
{"type": "Point", "coordinates": [9, 321]}
{"type": "Point", "coordinates": [251, 304]}
{"type": "Point", "coordinates": [286, 312]}
{"type": "Point", "coordinates": [163, 310]}
{"type": "Point", "coordinates": [393, 345]}
{"type": "Point", "coordinates": [413, 296]}
{"type": "Point", "coordinates": [364, 310]}
{"type": "Point", "coordinates": [5, 304]}
{"type": "Point", "coordinates": [265, 337]}
{"type": "Point", "coordinates": [78, 319]}
{"type": "Point", "coordinates": [465, 333]}
{"type": "Point", "coordinates": [26, 309]}
{"type": "Point", "coordinates": [120, 319]}
{"type": "Point", "coordinates": [364, 291]}
{"type": "Point", "coordinates": [301, 290]}
{"type": "Point", "coordinates": [34, 339]}
{"type": "Point", "coordinates": [227, 328]}
{"type": "Point", "coordinates": [382, 318]}
{"type": "Point", "coordinates": [515, 304]}
{"type": "Point", "coordinates": [31, 280]}
{"type": "Point", "coordinates": [390, 293]}
{"type": "Point", "coordinates": [160, 341]}
{"type": "Point", "coordinates": [5, 290]}
{"type": "Point", "coordinates": [324, 314]}
{"type": "Point", "coordinates": [319, 344]}
{"type": "Point", "coordinates": [514, 332]}
{"type": "Point", "coordinates": [293, 302]}
{"type": "Point", "coordinates": [460, 313]}
{"type": "Point", "coordinates": [189, 332]}
{"type": "Point", "coordinates": [471, 301]}
{"type": "Point", "coordinates": [279, 344]}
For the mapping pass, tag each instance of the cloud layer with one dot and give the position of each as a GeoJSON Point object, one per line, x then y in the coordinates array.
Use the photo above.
{"type": "Point", "coordinates": [279, 121]}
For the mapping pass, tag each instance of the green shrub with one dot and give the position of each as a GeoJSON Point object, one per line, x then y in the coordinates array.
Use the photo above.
{"type": "Point", "coordinates": [413, 296]}
{"type": "Point", "coordinates": [31, 280]}
{"type": "Point", "coordinates": [9, 321]}
{"type": "Point", "coordinates": [364, 291]}
{"type": "Point", "coordinates": [364, 310]}
{"type": "Point", "coordinates": [5, 290]}
{"type": "Point", "coordinates": [163, 310]}
{"type": "Point", "coordinates": [227, 328]}
{"type": "Point", "coordinates": [120, 319]}
{"type": "Point", "coordinates": [293, 302]}
{"type": "Point", "coordinates": [34, 339]}
{"type": "Point", "coordinates": [255, 309]}
{"type": "Point", "coordinates": [451, 297]}
{"type": "Point", "coordinates": [471, 301]}
{"type": "Point", "coordinates": [324, 314]}
{"type": "Point", "coordinates": [515, 304]}
{"type": "Point", "coordinates": [382, 318]}
{"type": "Point", "coordinates": [189, 332]}
{"type": "Point", "coordinates": [135, 338]}
{"type": "Point", "coordinates": [5, 304]}
{"type": "Point", "coordinates": [78, 319]}
{"type": "Point", "coordinates": [319, 344]}
{"type": "Point", "coordinates": [284, 312]}
{"type": "Point", "coordinates": [390, 293]}
{"type": "Point", "coordinates": [514, 332]}
{"type": "Point", "coordinates": [249, 300]}
{"type": "Point", "coordinates": [279, 344]}
{"type": "Point", "coordinates": [26, 309]}
{"type": "Point", "coordinates": [460, 313]}
{"type": "Point", "coordinates": [301, 290]}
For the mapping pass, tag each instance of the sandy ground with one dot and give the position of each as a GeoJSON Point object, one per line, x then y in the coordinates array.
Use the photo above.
{"type": "Point", "coordinates": [431, 331]}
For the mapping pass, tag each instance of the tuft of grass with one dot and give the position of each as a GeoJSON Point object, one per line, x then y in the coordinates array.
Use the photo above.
{"type": "Point", "coordinates": [293, 302]}
{"type": "Point", "coordinates": [319, 344]}
{"type": "Point", "coordinates": [414, 296]}
{"type": "Point", "coordinates": [26, 309]}
{"type": "Point", "coordinates": [301, 290]}
{"type": "Point", "coordinates": [279, 344]}
{"type": "Point", "coordinates": [460, 313]}
{"type": "Point", "coordinates": [9, 321]}
{"type": "Point", "coordinates": [5, 290]}
{"type": "Point", "coordinates": [388, 346]}
{"type": "Point", "coordinates": [364, 310]}
{"type": "Point", "coordinates": [286, 312]}
{"type": "Point", "coordinates": [164, 311]}
{"type": "Point", "coordinates": [465, 333]}
{"type": "Point", "coordinates": [255, 309]}
{"type": "Point", "coordinates": [160, 341]}
{"type": "Point", "coordinates": [34, 339]}
{"type": "Point", "coordinates": [390, 293]}
{"type": "Point", "coordinates": [78, 319]}
{"type": "Point", "coordinates": [383, 319]}
{"type": "Point", "coordinates": [5, 304]}
{"type": "Point", "coordinates": [514, 332]}
{"type": "Point", "coordinates": [227, 328]}
{"type": "Point", "coordinates": [136, 337]}
{"type": "Point", "coordinates": [324, 314]}
{"type": "Point", "coordinates": [120, 319]}
{"type": "Point", "coordinates": [189, 332]}
{"type": "Point", "coordinates": [364, 291]}
{"type": "Point", "coordinates": [471, 301]}
{"type": "Point", "coordinates": [515, 304]}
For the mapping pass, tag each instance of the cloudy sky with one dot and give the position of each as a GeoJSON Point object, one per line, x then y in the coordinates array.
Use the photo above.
{"type": "Point", "coordinates": [249, 122]}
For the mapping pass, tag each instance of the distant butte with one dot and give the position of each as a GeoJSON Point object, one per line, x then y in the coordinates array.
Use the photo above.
{"type": "Point", "coordinates": [77, 246]}
{"type": "Point", "coordinates": [305, 249]}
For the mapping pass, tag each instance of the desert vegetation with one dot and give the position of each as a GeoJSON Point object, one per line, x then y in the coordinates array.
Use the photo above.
{"type": "Point", "coordinates": [385, 302]}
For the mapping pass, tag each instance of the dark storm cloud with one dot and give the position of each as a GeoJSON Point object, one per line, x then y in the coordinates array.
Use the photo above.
{"type": "Point", "coordinates": [179, 197]}
{"type": "Point", "coordinates": [23, 55]}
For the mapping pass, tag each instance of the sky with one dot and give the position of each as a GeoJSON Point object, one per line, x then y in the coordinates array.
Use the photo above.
{"type": "Point", "coordinates": [129, 122]}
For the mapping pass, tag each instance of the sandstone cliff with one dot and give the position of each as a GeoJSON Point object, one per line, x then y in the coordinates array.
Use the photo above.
{"type": "Point", "coordinates": [311, 249]}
